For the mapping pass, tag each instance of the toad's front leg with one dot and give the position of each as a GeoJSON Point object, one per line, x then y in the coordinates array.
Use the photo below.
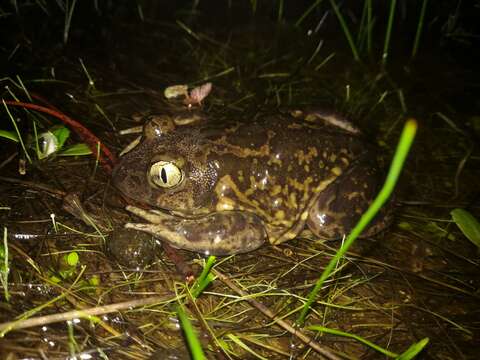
{"type": "Point", "coordinates": [220, 233]}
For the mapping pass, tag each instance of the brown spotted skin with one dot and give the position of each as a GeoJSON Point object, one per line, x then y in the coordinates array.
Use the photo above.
{"type": "Point", "coordinates": [248, 181]}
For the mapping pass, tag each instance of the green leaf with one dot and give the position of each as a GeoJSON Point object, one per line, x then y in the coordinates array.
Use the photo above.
{"type": "Point", "coordinates": [10, 135]}
{"type": "Point", "coordinates": [94, 280]}
{"type": "Point", "coordinates": [71, 258]}
{"type": "Point", "coordinates": [76, 150]}
{"type": "Point", "coordinates": [467, 223]}
{"type": "Point", "coordinates": [61, 133]}
{"type": "Point", "coordinates": [55, 279]}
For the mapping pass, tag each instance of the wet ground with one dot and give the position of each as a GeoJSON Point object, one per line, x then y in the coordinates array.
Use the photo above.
{"type": "Point", "coordinates": [418, 279]}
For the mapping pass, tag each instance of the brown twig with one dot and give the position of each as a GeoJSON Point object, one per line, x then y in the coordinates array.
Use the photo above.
{"type": "Point", "coordinates": [85, 313]}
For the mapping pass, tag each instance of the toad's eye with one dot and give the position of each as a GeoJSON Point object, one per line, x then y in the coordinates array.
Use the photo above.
{"type": "Point", "coordinates": [165, 174]}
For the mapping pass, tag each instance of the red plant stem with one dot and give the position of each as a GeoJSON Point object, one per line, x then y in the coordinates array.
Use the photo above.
{"type": "Point", "coordinates": [86, 135]}
{"type": "Point", "coordinates": [44, 101]}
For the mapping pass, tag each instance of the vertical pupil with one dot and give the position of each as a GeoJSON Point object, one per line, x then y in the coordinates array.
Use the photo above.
{"type": "Point", "coordinates": [163, 175]}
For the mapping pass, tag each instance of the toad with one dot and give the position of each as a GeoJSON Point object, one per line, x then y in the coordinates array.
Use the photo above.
{"type": "Point", "coordinates": [221, 188]}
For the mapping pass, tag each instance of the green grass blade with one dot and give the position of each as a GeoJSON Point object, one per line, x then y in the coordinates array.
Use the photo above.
{"type": "Point", "coordinates": [188, 30]}
{"type": "Point", "coordinates": [91, 81]}
{"type": "Point", "coordinates": [10, 135]}
{"type": "Point", "coordinates": [204, 279]}
{"type": "Point", "coordinates": [253, 5]}
{"type": "Point", "coordinates": [27, 155]}
{"type": "Point", "coordinates": [413, 350]}
{"type": "Point", "coordinates": [345, 29]}
{"type": "Point", "coordinates": [416, 42]}
{"type": "Point", "coordinates": [362, 28]}
{"type": "Point", "coordinates": [35, 137]}
{"type": "Point", "coordinates": [369, 26]}
{"type": "Point", "coordinates": [410, 353]}
{"type": "Point", "coordinates": [280, 10]}
{"type": "Point", "coordinates": [191, 337]}
{"type": "Point", "coordinates": [69, 9]}
{"type": "Point", "coordinates": [386, 45]}
{"type": "Point", "coordinates": [364, 36]}
{"type": "Point", "coordinates": [307, 12]}
{"type": "Point", "coordinates": [401, 152]}
{"type": "Point", "coordinates": [468, 224]}
{"type": "Point", "coordinates": [353, 336]}
{"type": "Point", "coordinates": [22, 86]}
{"type": "Point", "coordinates": [244, 346]}
{"type": "Point", "coordinates": [76, 150]}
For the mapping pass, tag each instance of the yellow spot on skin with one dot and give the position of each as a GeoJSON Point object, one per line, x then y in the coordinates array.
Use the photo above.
{"type": "Point", "coordinates": [322, 185]}
{"type": "Point", "coordinates": [304, 216]}
{"type": "Point", "coordinates": [336, 170]}
{"type": "Point", "coordinates": [352, 195]}
{"type": "Point", "coordinates": [312, 153]}
{"type": "Point", "coordinates": [280, 215]}
{"type": "Point", "coordinates": [275, 190]}
{"type": "Point", "coordinates": [225, 204]}
{"type": "Point", "coordinates": [299, 156]}
{"type": "Point", "coordinates": [333, 157]}
{"type": "Point", "coordinates": [294, 126]}
{"type": "Point", "coordinates": [243, 152]}
{"type": "Point", "coordinates": [180, 162]}
{"type": "Point", "coordinates": [306, 168]}
{"type": "Point", "coordinates": [237, 198]}
{"type": "Point", "coordinates": [275, 160]}
{"type": "Point", "coordinates": [277, 202]}
{"type": "Point", "coordinates": [292, 200]}
{"type": "Point", "coordinates": [306, 158]}
{"type": "Point", "coordinates": [301, 187]}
